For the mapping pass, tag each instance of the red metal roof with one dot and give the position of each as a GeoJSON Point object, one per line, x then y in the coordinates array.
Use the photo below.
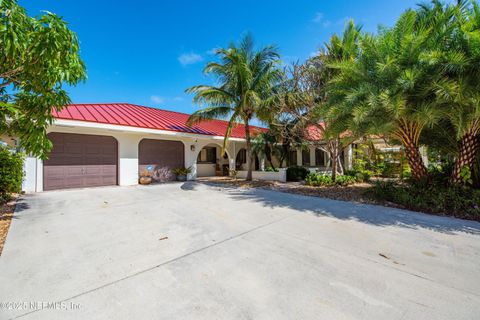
{"type": "Point", "coordinates": [132, 115]}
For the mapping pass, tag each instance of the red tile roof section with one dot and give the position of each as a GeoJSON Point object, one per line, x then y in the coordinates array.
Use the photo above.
{"type": "Point", "coordinates": [127, 114]}
{"type": "Point", "coordinates": [314, 133]}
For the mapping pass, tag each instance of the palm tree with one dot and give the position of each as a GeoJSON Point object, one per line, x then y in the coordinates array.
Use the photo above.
{"type": "Point", "coordinates": [342, 49]}
{"type": "Point", "coordinates": [246, 78]}
{"type": "Point", "coordinates": [458, 90]}
{"type": "Point", "coordinates": [385, 90]}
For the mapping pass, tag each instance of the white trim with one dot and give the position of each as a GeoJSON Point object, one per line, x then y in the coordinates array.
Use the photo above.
{"type": "Point", "coordinates": [122, 128]}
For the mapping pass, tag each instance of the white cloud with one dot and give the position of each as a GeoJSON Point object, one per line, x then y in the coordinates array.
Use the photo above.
{"type": "Point", "coordinates": [157, 99]}
{"type": "Point", "coordinates": [212, 51]}
{"type": "Point", "coordinates": [177, 99]}
{"type": "Point", "coordinates": [189, 58]}
{"type": "Point", "coordinates": [318, 17]}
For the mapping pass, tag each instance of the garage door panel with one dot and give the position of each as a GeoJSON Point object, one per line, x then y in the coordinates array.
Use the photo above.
{"type": "Point", "coordinates": [73, 148]}
{"type": "Point", "coordinates": [160, 154]}
{"type": "Point", "coordinates": [80, 161]}
{"type": "Point", "coordinates": [73, 170]}
{"type": "Point", "coordinates": [109, 150]}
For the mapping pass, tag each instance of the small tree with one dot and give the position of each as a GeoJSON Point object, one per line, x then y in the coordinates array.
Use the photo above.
{"type": "Point", "coordinates": [300, 103]}
{"type": "Point", "coordinates": [37, 56]}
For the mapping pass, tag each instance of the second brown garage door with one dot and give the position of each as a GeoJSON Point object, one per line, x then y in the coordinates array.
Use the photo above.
{"type": "Point", "coordinates": [160, 154]}
{"type": "Point", "coordinates": [80, 160]}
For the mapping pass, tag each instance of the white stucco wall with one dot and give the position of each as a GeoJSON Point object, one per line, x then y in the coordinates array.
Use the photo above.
{"type": "Point", "coordinates": [205, 169]}
{"type": "Point", "coordinates": [281, 175]}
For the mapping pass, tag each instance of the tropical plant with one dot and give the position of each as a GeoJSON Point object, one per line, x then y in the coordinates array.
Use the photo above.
{"type": "Point", "coordinates": [386, 89]}
{"type": "Point", "coordinates": [457, 60]}
{"type": "Point", "coordinates": [265, 145]}
{"type": "Point", "coordinates": [246, 78]}
{"type": "Point", "coordinates": [182, 171]}
{"type": "Point", "coordinates": [37, 57]}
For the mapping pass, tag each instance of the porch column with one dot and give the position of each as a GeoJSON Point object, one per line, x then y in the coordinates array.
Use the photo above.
{"type": "Point", "coordinates": [262, 163]}
{"type": "Point", "coordinates": [299, 157]}
{"type": "Point", "coordinates": [424, 155]}
{"type": "Point", "coordinates": [349, 157]}
{"type": "Point", "coordinates": [232, 152]}
{"type": "Point", "coordinates": [312, 156]}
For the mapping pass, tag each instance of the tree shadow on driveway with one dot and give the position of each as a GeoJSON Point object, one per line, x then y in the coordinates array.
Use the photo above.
{"type": "Point", "coordinates": [367, 213]}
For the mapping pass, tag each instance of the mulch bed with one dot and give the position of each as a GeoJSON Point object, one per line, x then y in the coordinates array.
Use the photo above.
{"type": "Point", "coordinates": [354, 192]}
{"type": "Point", "coordinates": [6, 214]}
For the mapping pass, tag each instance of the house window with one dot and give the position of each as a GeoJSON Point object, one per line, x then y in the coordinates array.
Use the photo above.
{"type": "Point", "coordinates": [292, 158]}
{"type": "Point", "coordinates": [319, 158]}
{"type": "Point", "coordinates": [207, 155]}
{"type": "Point", "coordinates": [306, 157]}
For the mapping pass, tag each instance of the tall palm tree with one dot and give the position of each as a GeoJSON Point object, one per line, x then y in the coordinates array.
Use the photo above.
{"type": "Point", "coordinates": [458, 90]}
{"type": "Point", "coordinates": [246, 78]}
{"type": "Point", "coordinates": [385, 90]}
{"type": "Point", "coordinates": [340, 49]}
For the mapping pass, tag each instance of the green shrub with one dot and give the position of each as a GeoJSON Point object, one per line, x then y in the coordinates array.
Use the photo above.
{"type": "Point", "coordinates": [344, 180]}
{"type": "Point", "coordinates": [11, 172]}
{"type": "Point", "coordinates": [460, 202]}
{"type": "Point", "coordinates": [317, 179]}
{"type": "Point", "coordinates": [296, 173]}
{"type": "Point", "coordinates": [271, 169]}
{"type": "Point", "coordinates": [359, 175]}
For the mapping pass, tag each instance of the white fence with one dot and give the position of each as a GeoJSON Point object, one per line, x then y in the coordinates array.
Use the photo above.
{"type": "Point", "coordinates": [281, 175]}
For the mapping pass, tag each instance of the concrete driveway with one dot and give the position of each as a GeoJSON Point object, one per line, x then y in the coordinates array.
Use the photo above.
{"type": "Point", "coordinates": [194, 251]}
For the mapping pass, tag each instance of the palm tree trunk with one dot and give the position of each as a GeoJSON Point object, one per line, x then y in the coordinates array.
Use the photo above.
{"type": "Point", "coordinates": [249, 151]}
{"type": "Point", "coordinates": [408, 133]}
{"type": "Point", "coordinates": [415, 161]}
{"type": "Point", "coordinates": [469, 145]}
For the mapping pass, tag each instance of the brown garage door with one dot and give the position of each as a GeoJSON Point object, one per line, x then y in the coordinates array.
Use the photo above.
{"type": "Point", "coordinates": [80, 160]}
{"type": "Point", "coordinates": [160, 154]}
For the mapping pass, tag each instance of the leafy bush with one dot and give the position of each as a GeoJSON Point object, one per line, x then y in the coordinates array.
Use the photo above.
{"type": "Point", "coordinates": [296, 173]}
{"type": "Point", "coordinates": [345, 180]}
{"type": "Point", "coordinates": [460, 202]}
{"type": "Point", "coordinates": [317, 179]}
{"type": "Point", "coordinates": [359, 175]}
{"type": "Point", "coordinates": [271, 169]}
{"type": "Point", "coordinates": [11, 172]}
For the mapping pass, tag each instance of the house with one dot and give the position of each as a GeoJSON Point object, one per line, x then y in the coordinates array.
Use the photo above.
{"type": "Point", "coordinates": [112, 143]}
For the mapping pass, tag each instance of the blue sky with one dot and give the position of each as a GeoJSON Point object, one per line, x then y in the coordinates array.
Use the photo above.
{"type": "Point", "coordinates": [149, 52]}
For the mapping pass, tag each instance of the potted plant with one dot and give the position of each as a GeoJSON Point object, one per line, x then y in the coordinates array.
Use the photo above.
{"type": "Point", "coordinates": [145, 177]}
{"type": "Point", "coordinates": [182, 173]}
